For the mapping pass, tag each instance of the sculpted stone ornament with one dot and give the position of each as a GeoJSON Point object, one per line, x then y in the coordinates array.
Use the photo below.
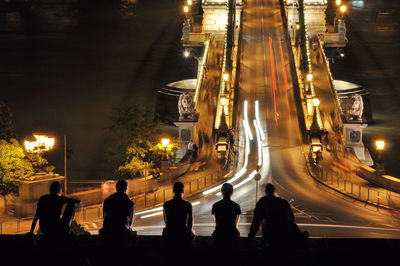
{"type": "Point", "coordinates": [186, 106]}
{"type": "Point", "coordinates": [354, 107]}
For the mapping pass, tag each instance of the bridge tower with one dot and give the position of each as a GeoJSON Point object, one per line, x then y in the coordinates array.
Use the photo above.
{"type": "Point", "coordinates": [215, 15]}
{"type": "Point", "coordinates": [315, 16]}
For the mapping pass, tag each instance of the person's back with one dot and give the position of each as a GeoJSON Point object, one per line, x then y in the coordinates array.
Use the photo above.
{"type": "Point", "coordinates": [226, 213]}
{"type": "Point", "coordinates": [276, 216]}
{"type": "Point", "coordinates": [53, 218]}
{"type": "Point", "coordinates": [177, 212]}
{"type": "Point", "coordinates": [178, 218]}
{"type": "Point", "coordinates": [49, 211]}
{"type": "Point", "coordinates": [118, 211]}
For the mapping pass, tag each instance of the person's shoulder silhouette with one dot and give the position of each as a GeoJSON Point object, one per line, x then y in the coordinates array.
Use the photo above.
{"type": "Point", "coordinates": [53, 219]}
{"type": "Point", "coordinates": [178, 218]}
{"type": "Point", "coordinates": [227, 213]}
{"type": "Point", "coordinates": [118, 210]}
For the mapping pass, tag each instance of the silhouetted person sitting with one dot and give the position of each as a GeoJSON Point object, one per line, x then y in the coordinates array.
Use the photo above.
{"type": "Point", "coordinates": [227, 214]}
{"type": "Point", "coordinates": [178, 218]}
{"type": "Point", "coordinates": [118, 212]}
{"type": "Point", "coordinates": [276, 217]}
{"type": "Point", "coordinates": [49, 211]}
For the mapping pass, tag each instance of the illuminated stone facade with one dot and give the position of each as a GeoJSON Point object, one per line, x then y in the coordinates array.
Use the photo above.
{"type": "Point", "coordinates": [216, 15]}
{"type": "Point", "coordinates": [315, 16]}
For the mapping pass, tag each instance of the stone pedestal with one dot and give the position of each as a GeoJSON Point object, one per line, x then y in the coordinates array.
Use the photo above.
{"type": "Point", "coordinates": [186, 129]}
{"type": "Point", "coordinates": [353, 133]}
{"type": "Point", "coordinates": [29, 193]}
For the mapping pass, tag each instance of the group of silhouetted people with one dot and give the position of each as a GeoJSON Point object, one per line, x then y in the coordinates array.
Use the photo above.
{"type": "Point", "coordinates": [55, 214]}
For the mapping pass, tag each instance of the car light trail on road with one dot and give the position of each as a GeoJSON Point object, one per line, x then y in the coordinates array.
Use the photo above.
{"type": "Point", "coordinates": [246, 122]}
{"type": "Point", "coordinates": [259, 144]}
{"type": "Point", "coordinates": [273, 76]}
{"type": "Point", "coordinates": [159, 212]}
{"type": "Point", "coordinates": [246, 180]}
{"type": "Point", "coordinates": [285, 79]}
{"type": "Point", "coordinates": [246, 159]}
{"type": "Point", "coordinates": [260, 129]}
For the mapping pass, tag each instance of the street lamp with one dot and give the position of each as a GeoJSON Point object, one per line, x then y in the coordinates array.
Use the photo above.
{"type": "Point", "coordinates": [186, 10]}
{"type": "Point", "coordinates": [165, 143]}
{"type": "Point", "coordinates": [225, 77]}
{"type": "Point", "coordinates": [186, 53]}
{"type": "Point", "coordinates": [338, 2]}
{"type": "Point", "coordinates": [41, 144]}
{"type": "Point", "coordinates": [316, 101]}
{"type": "Point", "coordinates": [343, 10]}
{"type": "Point", "coordinates": [309, 77]}
{"type": "Point", "coordinates": [189, 2]}
{"type": "Point", "coordinates": [380, 146]}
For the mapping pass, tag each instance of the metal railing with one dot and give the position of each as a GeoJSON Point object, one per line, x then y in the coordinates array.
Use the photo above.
{"type": "Point", "coordinates": [341, 181]}
{"type": "Point", "coordinates": [143, 201]}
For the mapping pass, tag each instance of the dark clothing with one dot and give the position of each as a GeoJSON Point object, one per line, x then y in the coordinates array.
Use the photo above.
{"type": "Point", "coordinates": [118, 211]}
{"type": "Point", "coordinates": [178, 219]}
{"type": "Point", "coordinates": [49, 210]}
{"type": "Point", "coordinates": [276, 216]}
{"type": "Point", "coordinates": [226, 212]}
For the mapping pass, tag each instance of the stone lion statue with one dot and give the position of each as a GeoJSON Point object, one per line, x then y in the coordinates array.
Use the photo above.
{"type": "Point", "coordinates": [354, 107]}
{"type": "Point", "coordinates": [186, 106]}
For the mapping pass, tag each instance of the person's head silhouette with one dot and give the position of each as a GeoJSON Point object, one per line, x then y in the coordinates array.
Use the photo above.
{"type": "Point", "coordinates": [227, 190]}
{"type": "Point", "coordinates": [121, 186]}
{"type": "Point", "coordinates": [55, 188]}
{"type": "Point", "coordinates": [178, 188]}
{"type": "Point", "coordinates": [269, 189]}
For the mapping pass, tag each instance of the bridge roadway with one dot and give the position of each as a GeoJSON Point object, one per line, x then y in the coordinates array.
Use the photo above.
{"type": "Point", "coordinates": [266, 77]}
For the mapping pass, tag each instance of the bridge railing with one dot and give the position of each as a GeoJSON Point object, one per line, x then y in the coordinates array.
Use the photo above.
{"type": "Point", "coordinates": [341, 182]}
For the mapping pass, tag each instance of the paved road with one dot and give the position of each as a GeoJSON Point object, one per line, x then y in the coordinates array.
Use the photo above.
{"type": "Point", "coordinates": [265, 77]}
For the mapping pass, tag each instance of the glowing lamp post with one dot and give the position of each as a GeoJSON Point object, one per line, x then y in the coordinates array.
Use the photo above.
{"type": "Point", "coordinates": [380, 147]}
{"type": "Point", "coordinates": [189, 2]}
{"type": "Point", "coordinates": [343, 10]}
{"type": "Point", "coordinates": [186, 10]}
{"type": "Point", "coordinates": [338, 2]}
{"type": "Point", "coordinates": [41, 144]}
{"type": "Point", "coordinates": [165, 143]}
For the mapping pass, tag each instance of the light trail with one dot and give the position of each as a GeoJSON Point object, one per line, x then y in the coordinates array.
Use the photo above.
{"type": "Point", "coordinates": [246, 159]}
{"type": "Point", "coordinates": [241, 171]}
{"type": "Point", "coordinates": [160, 212]}
{"type": "Point", "coordinates": [273, 76]}
{"type": "Point", "coordinates": [285, 79]}
{"type": "Point", "coordinates": [246, 121]}
{"type": "Point", "coordinates": [259, 144]}
{"type": "Point", "coordinates": [260, 129]}
{"type": "Point", "coordinates": [249, 178]}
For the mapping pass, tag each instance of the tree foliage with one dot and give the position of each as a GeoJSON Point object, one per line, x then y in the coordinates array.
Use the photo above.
{"type": "Point", "coordinates": [13, 165]}
{"type": "Point", "coordinates": [7, 130]}
{"type": "Point", "coordinates": [138, 136]}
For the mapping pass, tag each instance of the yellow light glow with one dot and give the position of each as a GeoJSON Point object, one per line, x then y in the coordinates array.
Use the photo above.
{"type": "Point", "coordinates": [165, 142]}
{"type": "Point", "coordinates": [225, 76]}
{"type": "Point", "coordinates": [29, 145]}
{"type": "Point", "coordinates": [185, 9]}
{"type": "Point", "coordinates": [41, 144]}
{"type": "Point", "coordinates": [338, 2]}
{"type": "Point", "coordinates": [343, 8]}
{"type": "Point", "coordinates": [297, 26]}
{"type": "Point", "coordinates": [189, 2]}
{"type": "Point", "coordinates": [315, 102]}
{"type": "Point", "coordinates": [309, 77]}
{"type": "Point", "coordinates": [224, 101]}
{"type": "Point", "coordinates": [380, 145]}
